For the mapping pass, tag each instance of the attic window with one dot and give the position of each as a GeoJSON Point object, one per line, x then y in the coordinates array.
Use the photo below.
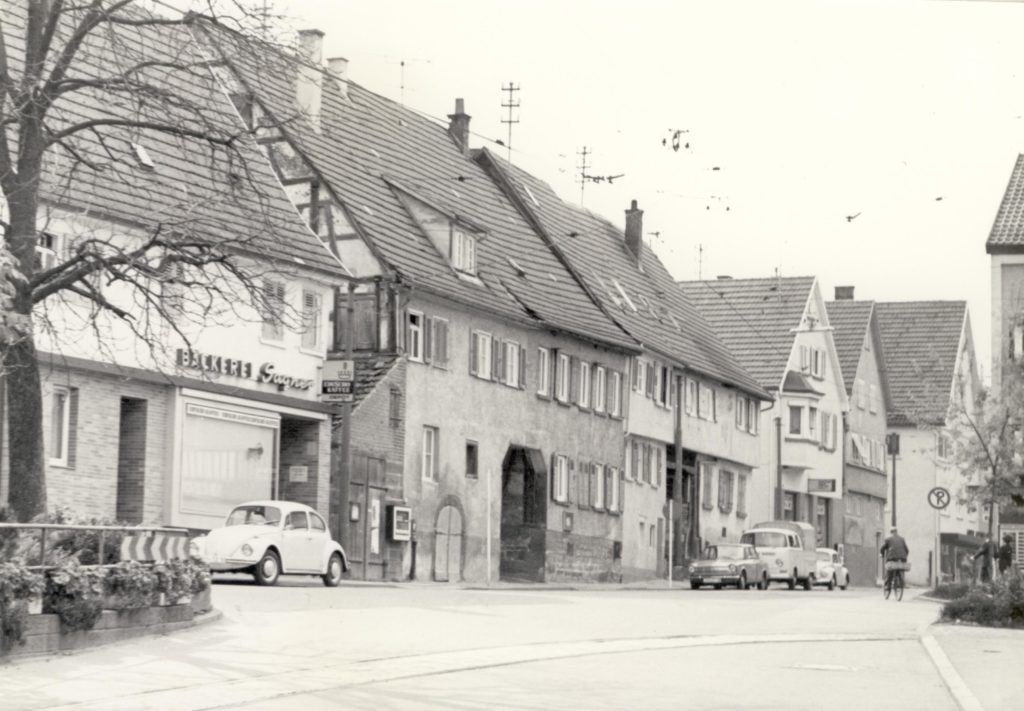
{"type": "Point", "coordinates": [462, 250]}
{"type": "Point", "coordinates": [142, 156]}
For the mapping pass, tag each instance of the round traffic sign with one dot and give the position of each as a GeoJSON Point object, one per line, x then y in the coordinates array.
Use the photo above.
{"type": "Point", "coordinates": [939, 497]}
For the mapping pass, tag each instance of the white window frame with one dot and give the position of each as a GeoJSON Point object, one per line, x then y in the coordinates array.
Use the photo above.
{"type": "Point", "coordinates": [708, 411]}
{"type": "Point", "coordinates": [561, 478]}
{"type": "Point", "coordinates": [658, 392]}
{"type": "Point", "coordinates": [428, 456]}
{"type": "Point", "coordinates": [543, 372]}
{"type": "Point", "coordinates": [598, 389]}
{"type": "Point", "coordinates": [790, 407]}
{"type": "Point", "coordinates": [753, 415]}
{"type": "Point", "coordinates": [563, 377]}
{"type": "Point", "coordinates": [513, 369]}
{"type": "Point", "coordinates": [616, 408]}
{"type": "Point", "coordinates": [813, 414]}
{"type": "Point", "coordinates": [312, 315]}
{"type": "Point", "coordinates": [741, 413]}
{"type": "Point", "coordinates": [818, 363]}
{"type": "Point", "coordinates": [484, 354]}
{"type": "Point", "coordinates": [598, 472]}
{"type": "Point", "coordinates": [414, 335]}
{"type": "Point", "coordinates": [463, 250]}
{"type": "Point", "coordinates": [873, 398]}
{"type": "Point", "coordinates": [691, 396]}
{"type": "Point", "coordinates": [613, 503]}
{"type": "Point", "coordinates": [584, 385]}
{"type": "Point", "coordinates": [640, 376]}
{"type": "Point", "coordinates": [62, 429]}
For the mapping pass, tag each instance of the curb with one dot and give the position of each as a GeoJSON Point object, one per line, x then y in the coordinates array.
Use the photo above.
{"type": "Point", "coordinates": [959, 690]}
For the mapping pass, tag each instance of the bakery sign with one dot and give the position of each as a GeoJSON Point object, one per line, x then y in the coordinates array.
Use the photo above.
{"type": "Point", "coordinates": [236, 367]}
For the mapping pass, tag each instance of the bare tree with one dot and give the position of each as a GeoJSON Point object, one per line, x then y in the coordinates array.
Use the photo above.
{"type": "Point", "coordinates": [136, 203]}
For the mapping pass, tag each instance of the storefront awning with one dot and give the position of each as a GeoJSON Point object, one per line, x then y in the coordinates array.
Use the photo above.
{"type": "Point", "coordinates": [960, 540]}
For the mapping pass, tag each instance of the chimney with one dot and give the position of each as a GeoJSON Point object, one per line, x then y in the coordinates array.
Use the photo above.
{"type": "Point", "coordinates": [310, 75]}
{"type": "Point", "coordinates": [458, 126]}
{"type": "Point", "coordinates": [844, 293]}
{"type": "Point", "coordinates": [635, 231]}
{"type": "Point", "coordinates": [338, 66]}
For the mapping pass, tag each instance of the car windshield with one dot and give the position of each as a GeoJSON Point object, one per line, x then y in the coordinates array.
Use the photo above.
{"type": "Point", "coordinates": [724, 552]}
{"type": "Point", "coordinates": [825, 556]}
{"type": "Point", "coordinates": [764, 539]}
{"type": "Point", "coordinates": [254, 516]}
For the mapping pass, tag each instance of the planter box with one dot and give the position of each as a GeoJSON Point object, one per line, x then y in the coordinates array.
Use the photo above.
{"type": "Point", "coordinates": [202, 601]}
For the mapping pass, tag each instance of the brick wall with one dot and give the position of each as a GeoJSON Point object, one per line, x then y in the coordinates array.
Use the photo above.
{"type": "Point", "coordinates": [89, 484]}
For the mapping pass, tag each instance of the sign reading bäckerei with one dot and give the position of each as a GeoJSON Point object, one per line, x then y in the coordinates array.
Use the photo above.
{"type": "Point", "coordinates": [266, 373]}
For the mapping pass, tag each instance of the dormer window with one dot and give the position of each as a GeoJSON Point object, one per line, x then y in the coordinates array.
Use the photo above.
{"type": "Point", "coordinates": [463, 250]}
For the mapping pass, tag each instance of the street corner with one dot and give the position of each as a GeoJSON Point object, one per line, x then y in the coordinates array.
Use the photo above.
{"type": "Point", "coordinates": [986, 659]}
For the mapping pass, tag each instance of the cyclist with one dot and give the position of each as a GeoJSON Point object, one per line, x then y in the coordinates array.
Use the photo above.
{"type": "Point", "coordinates": [893, 550]}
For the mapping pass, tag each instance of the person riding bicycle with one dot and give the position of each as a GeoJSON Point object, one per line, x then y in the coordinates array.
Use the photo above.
{"type": "Point", "coordinates": [894, 550]}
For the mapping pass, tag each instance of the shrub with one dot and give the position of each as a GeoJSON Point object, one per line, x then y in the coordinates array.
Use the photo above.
{"type": "Point", "coordinates": [950, 591]}
{"type": "Point", "coordinates": [17, 585]}
{"type": "Point", "coordinates": [75, 594]}
{"type": "Point", "coordinates": [996, 604]}
{"type": "Point", "coordinates": [180, 578]}
{"type": "Point", "coordinates": [132, 583]}
{"type": "Point", "coordinates": [84, 546]}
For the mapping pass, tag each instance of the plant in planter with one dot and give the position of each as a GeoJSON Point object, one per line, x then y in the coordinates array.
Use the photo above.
{"type": "Point", "coordinates": [19, 587]}
{"type": "Point", "coordinates": [75, 594]}
{"type": "Point", "coordinates": [175, 579]}
{"type": "Point", "coordinates": [129, 585]}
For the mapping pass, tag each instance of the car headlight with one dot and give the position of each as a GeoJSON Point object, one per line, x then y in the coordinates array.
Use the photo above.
{"type": "Point", "coordinates": [246, 550]}
{"type": "Point", "coordinates": [692, 570]}
{"type": "Point", "coordinates": [778, 562]}
{"type": "Point", "coordinates": [732, 568]}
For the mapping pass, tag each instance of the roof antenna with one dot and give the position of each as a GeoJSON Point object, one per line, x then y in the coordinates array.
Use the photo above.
{"type": "Point", "coordinates": [700, 260]}
{"type": "Point", "coordinates": [401, 82]}
{"type": "Point", "coordinates": [583, 153]}
{"type": "Point", "coordinates": [512, 104]}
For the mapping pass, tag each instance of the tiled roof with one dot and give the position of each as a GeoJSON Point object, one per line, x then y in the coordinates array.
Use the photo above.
{"type": "Point", "coordinates": [645, 303]}
{"type": "Point", "coordinates": [192, 188]}
{"type": "Point", "coordinates": [368, 144]}
{"type": "Point", "coordinates": [368, 373]}
{"type": "Point", "coordinates": [755, 319]}
{"type": "Point", "coordinates": [920, 340]}
{"type": "Point", "coordinates": [850, 321]}
{"type": "Point", "coordinates": [1008, 228]}
{"type": "Point", "coordinates": [795, 382]}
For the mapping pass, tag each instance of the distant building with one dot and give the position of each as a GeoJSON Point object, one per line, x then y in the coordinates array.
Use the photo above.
{"type": "Point", "coordinates": [779, 330]}
{"type": "Point", "coordinates": [859, 346]}
{"type": "Point", "coordinates": [930, 366]}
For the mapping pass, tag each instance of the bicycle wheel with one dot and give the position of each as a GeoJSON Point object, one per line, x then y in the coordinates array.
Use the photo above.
{"type": "Point", "coordinates": [898, 585]}
{"type": "Point", "coordinates": [887, 584]}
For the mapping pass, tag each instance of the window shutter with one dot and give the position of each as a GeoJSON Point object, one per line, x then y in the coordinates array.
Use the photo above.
{"type": "Point", "coordinates": [554, 477]}
{"type": "Point", "coordinates": [441, 341]}
{"type": "Point", "coordinates": [428, 341]}
{"type": "Point", "coordinates": [657, 471]}
{"type": "Point", "coordinates": [472, 352]}
{"type": "Point", "coordinates": [574, 380]}
{"type": "Point", "coordinates": [339, 306]}
{"type": "Point", "coordinates": [571, 483]}
{"type": "Point", "coordinates": [622, 491]}
{"type": "Point", "coordinates": [497, 358]}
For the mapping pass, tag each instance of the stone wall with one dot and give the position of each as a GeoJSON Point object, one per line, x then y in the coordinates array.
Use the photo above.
{"type": "Point", "coordinates": [572, 557]}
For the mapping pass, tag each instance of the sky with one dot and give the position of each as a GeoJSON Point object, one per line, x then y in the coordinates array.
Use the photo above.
{"type": "Point", "coordinates": [865, 143]}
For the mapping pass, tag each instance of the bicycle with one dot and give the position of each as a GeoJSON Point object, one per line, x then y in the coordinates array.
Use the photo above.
{"type": "Point", "coordinates": [894, 582]}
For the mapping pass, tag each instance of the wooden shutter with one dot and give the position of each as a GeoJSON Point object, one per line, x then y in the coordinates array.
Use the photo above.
{"type": "Point", "coordinates": [570, 484]}
{"type": "Point", "coordinates": [497, 358]}
{"type": "Point", "coordinates": [441, 342]}
{"type": "Point", "coordinates": [522, 367]}
{"type": "Point", "coordinates": [649, 382]}
{"type": "Point", "coordinates": [574, 380]}
{"type": "Point", "coordinates": [554, 476]}
{"type": "Point", "coordinates": [428, 341]}
{"type": "Point", "coordinates": [472, 352]}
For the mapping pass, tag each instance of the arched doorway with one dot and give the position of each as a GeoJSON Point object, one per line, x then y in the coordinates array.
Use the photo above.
{"type": "Point", "coordinates": [448, 544]}
{"type": "Point", "coordinates": [523, 515]}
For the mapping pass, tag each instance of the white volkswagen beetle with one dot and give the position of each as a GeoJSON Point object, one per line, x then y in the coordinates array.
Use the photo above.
{"type": "Point", "coordinates": [271, 538]}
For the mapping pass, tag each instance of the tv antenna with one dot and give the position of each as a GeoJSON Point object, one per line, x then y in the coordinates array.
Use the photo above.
{"type": "Point", "coordinates": [512, 104]}
{"type": "Point", "coordinates": [585, 177]}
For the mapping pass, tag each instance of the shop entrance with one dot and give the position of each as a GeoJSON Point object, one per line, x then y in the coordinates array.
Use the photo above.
{"type": "Point", "coordinates": [366, 532]}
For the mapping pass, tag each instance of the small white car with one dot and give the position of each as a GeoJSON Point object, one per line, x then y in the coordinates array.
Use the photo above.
{"type": "Point", "coordinates": [271, 538]}
{"type": "Point", "coordinates": [831, 570]}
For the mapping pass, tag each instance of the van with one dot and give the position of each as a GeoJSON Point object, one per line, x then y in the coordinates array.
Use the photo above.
{"type": "Point", "coordinates": [787, 548]}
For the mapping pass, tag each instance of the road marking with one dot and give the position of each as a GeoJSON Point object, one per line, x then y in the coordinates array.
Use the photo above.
{"type": "Point", "coordinates": [823, 667]}
{"type": "Point", "coordinates": [966, 700]}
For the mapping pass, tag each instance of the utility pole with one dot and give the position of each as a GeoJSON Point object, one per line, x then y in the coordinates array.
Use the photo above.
{"type": "Point", "coordinates": [892, 441]}
{"type": "Point", "coordinates": [512, 104]}
{"type": "Point", "coordinates": [778, 469]}
{"type": "Point", "coordinates": [583, 165]}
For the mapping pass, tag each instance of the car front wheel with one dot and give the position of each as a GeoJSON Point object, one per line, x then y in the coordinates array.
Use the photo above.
{"type": "Point", "coordinates": [334, 569]}
{"type": "Point", "coordinates": [694, 586]}
{"type": "Point", "coordinates": [268, 570]}
{"type": "Point", "coordinates": [763, 585]}
{"type": "Point", "coordinates": [741, 584]}
{"type": "Point", "coordinates": [832, 583]}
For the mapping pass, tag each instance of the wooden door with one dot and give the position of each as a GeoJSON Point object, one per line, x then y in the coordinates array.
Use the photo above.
{"type": "Point", "coordinates": [448, 545]}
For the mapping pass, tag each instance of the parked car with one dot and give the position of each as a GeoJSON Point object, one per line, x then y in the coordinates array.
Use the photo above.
{"type": "Point", "coordinates": [831, 570]}
{"type": "Point", "coordinates": [788, 549]}
{"type": "Point", "coordinates": [729, 564]}
{"type": "Point", "coordinates": [271, 538]}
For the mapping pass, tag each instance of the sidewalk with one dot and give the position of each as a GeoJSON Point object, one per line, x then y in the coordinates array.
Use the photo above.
{"type": "Point", "coordinates": [988, 660]}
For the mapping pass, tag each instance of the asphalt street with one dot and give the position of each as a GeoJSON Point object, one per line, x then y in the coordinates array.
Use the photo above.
{"type": "Point", "coordinates": [303, 646]}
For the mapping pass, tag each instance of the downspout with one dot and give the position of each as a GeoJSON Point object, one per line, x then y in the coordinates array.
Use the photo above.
{"type": "Point", "coordinates": [778, 468]}
{"type": "Point", "coordinates": [677, 490]}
